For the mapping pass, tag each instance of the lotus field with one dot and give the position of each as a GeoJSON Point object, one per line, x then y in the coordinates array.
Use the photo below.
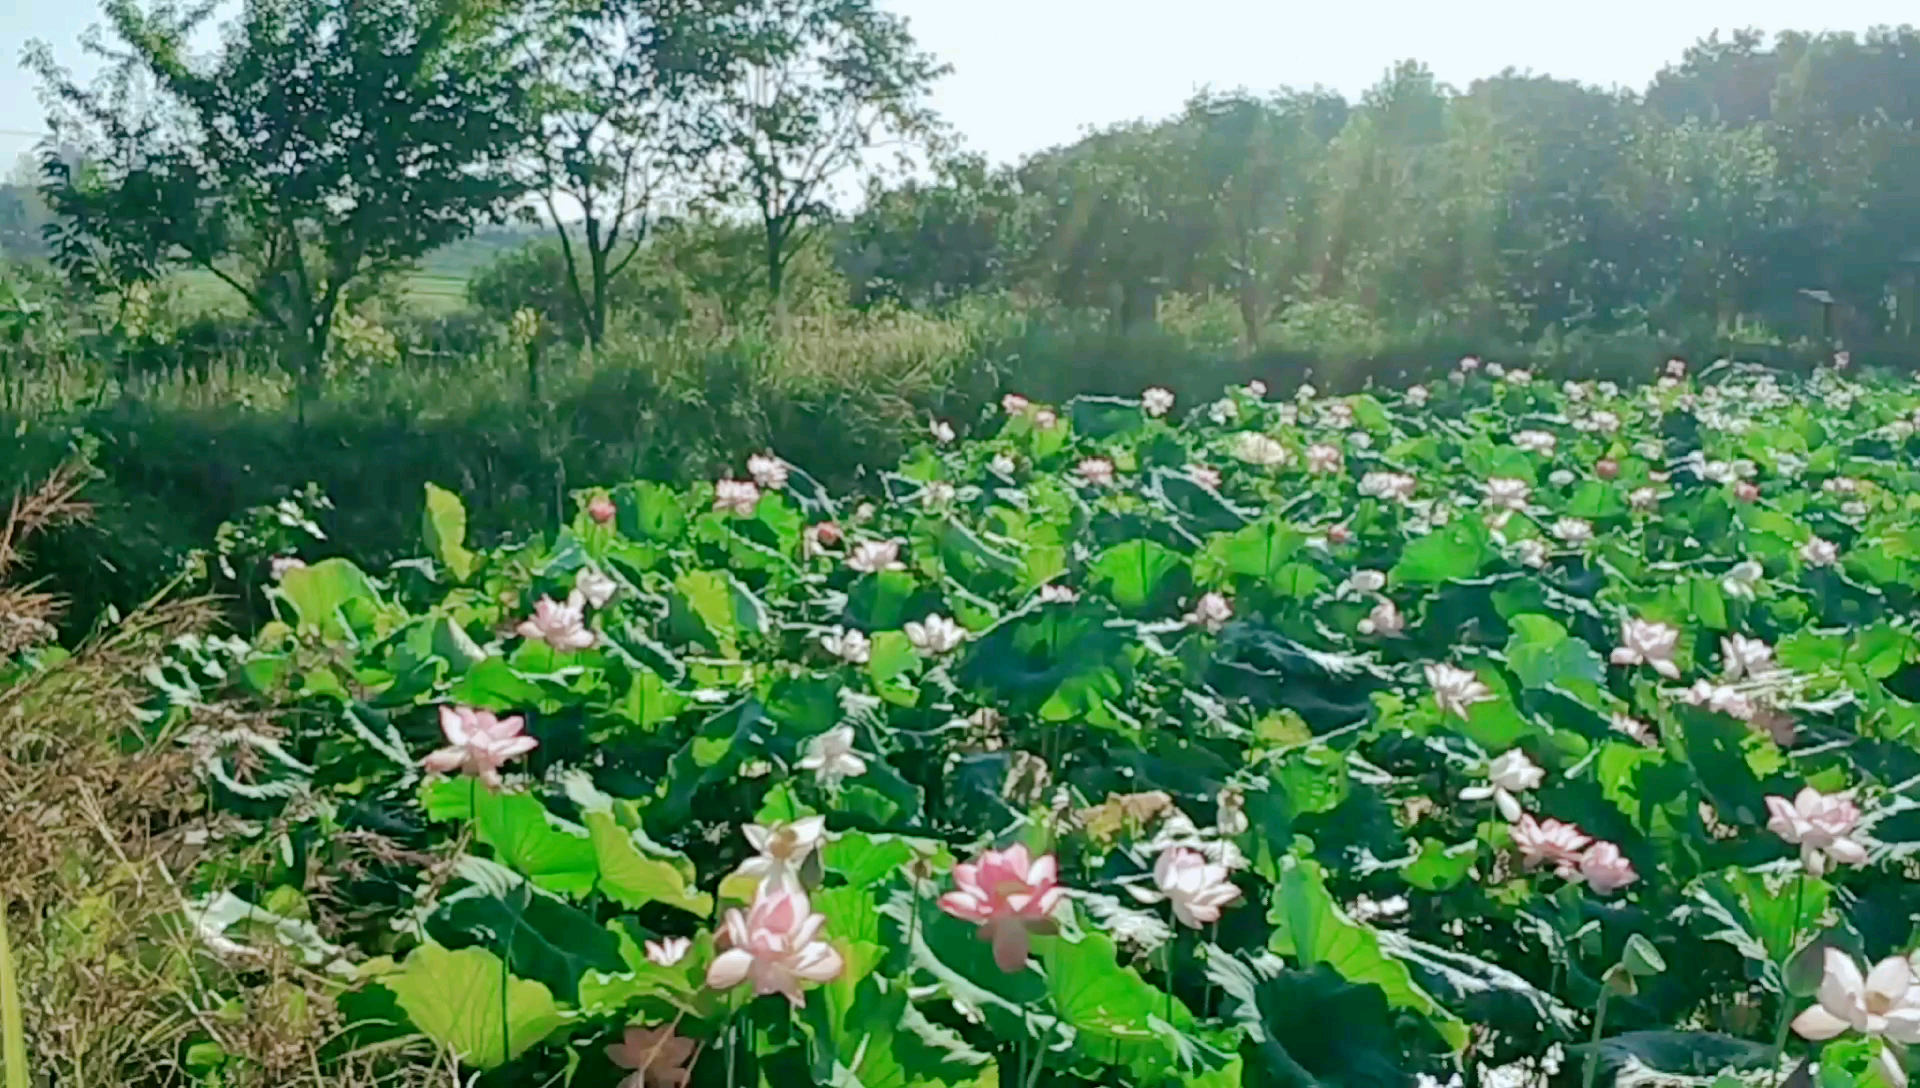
{"type": "Point", "coordinates": [1496, 732]}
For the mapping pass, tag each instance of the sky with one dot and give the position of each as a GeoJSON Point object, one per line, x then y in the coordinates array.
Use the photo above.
{"type": "Point", "coordinates": [1031, 74]}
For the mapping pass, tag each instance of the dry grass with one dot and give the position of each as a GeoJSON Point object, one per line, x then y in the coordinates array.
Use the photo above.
{"type": "Point", "coordinates": [99, 828]}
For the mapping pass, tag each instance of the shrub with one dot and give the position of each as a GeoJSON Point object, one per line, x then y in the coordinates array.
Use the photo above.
{"type": "Point", "coordinates": [1138, 743]}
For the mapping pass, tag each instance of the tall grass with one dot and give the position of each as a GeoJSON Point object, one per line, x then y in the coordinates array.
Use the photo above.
{"type": "Point", "coordinates": [189, 447]}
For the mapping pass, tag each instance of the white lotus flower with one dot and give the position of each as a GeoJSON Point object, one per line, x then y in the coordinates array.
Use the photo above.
{"type": "Point", "coordinates": [832, 758]}
{"type": "Point", "coordinates": [1740, 581]}
{"type": "Point", "coordinates": [1507, 493]}
{"type": "Point", "coordinates": [1719, 698]}
{"type": "Point", "coordinates": [1388, 485]}
{"type": "Point", "coordinates": [1258, 389]}
{"type": "Point", "coordinates": [1046, 419]}
{"type": "Point", "coordinates": [768, 471]}
{"type": "Point", "coordinates": [596, 588]}
{"type": "Point", "coordinates": [942, 431]}
{"type": "Point", "coordinates": [1322, 458]}
{"type": "Point", "coordinates": [1455, 690]}
{"type": "Point", "coordinates": [1643, 642]}
{"type": "Point", "coordinates": [937, 493]}
{"type": "Point", "coordinates": [1745, 656]}
{"type": "Point", "coordinates": [852, 647]}
{"type": "Point", "coordinates": [1223, 412]}
{"type": "Point", "coordinates": [1512, 773]}
{"type": "Point", "coordinates": [1530, 553]}
{"type": "Point", "coordinates": [1469, 363]}
{"type": "Point", "coordinates": [1014, 404]}
{"type": "Point", "coordinates": [1258, 449]}
{"type": "Point", "coordinates": [1365, 581]}
{"type": "Point", "coordinates": [738, 497]}
{"type": "Point", "coordinates": [874, 556]}
{"type": "Point", "coordinates": [1520, 377]}
{"type": "Point", "coordinates": [935, 635]}
{"type": "Point", "coordinates": [1885, 1004]}
{"type": "Point", "coordinates": [1097, 471]}
{"type": "Point", "coordinates": [1384, 620]}
{"type": "Point", "coordinates": [1535, 442]}
{"type": "Point", "coordinates": [668, 951]}
{"type": "Point", "coordinates": [1198, 889]}
{"type": "Point", "coordinates": [1417, 396]}
{"type": "Point", "coordinates": [1573, 531]}
{"type": "Point", "coordinates": [1819, 553]}
{"type": "Point", "coordinates": [1002, 465]}
{"type": "Point", "coordinates": [1053, 594]}
{"type": "Point", "coordinates": [1157, 402]}
{"type": "Point", "coordinates": [1643, 499]}
{"type": "Point", "coordinates": [1635, 728]}
{"type": "Point", "coordinates": [1561, 477]}
{"type": "Point", "coordinates": [1211, 611]}
{"type": "Point", "coordinates": [783, 849]}
{"type": "Point", "coordinates": [1821, 825]}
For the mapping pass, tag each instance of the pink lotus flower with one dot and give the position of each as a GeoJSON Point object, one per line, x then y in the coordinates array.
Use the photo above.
{"type": "Point", "coordinates": [1822, 825]}
{"type": "Point", "coordinates": [1197, 888]}
{"type": "Point", "coordinates": [658, 1057]}
{"type": "Point", "coordinates": [479, 744]}
{"type": "Point", "coordinates": [561, 626]}
{"type": "Point", "coordinates": [1543, 842]}
{"type": "Point", "coordinates": [1010, 896]}
{"type": "Point", "coordinates": [602, 510]}
{"type": "Point", "coordinates": [1097, 471]}
{"type": "Point", "coordinates": [1014, 404]}
{"type": "Point", "coordinates": [1211, 611]}
{"type": "Point", "coordinates": [1602, 868]}
{"type": "Point", "coordinates": [1204, 476]}
{"type": "Point", "coordinates": [816, 539]}
{"type": "Point", "coordinates": [1745, 491]}
{"type": "Point", "coordinates": [776, 945]}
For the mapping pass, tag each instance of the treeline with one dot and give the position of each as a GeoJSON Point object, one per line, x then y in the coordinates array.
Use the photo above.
{"type": "Point", "coordinates": [690, 149]}
{"type": "Point", "coordinates": [1747, 175]}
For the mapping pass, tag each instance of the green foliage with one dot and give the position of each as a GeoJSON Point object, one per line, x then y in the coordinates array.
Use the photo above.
{"type": "Point", "coordinates": [392, 148]}
{"type": "Point", "coordinates": [1138, 684]}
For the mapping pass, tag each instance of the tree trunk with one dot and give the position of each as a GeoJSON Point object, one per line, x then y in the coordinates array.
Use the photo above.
{"type": "Point", "coordinates": [776, 270]}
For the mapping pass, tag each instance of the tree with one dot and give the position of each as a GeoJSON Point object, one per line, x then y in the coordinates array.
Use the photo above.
{"type": "Point", "coordinates": [817, 87]}
{"type": "Point", "coordinates": [326, 143]}
{"type": "Point", "coordinates": [618, 83]}
{"type": "Point", "coordinates": [928, 243]}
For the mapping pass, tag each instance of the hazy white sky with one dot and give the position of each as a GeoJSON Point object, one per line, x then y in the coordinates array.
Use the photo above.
{"type": "Point", "coordinates": [1032, 73]}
